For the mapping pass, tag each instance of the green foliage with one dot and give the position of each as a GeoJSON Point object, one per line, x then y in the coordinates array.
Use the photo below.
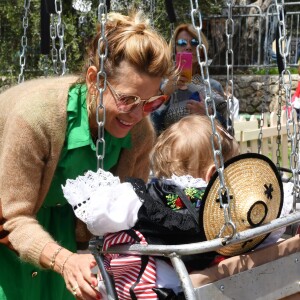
{"type": "Point", "coordinates": [159, 16]}
{"type": "Point", "coordinates": [76, 34]}
{"type": "Point", "coordinates": [12, 30]}
{"type": "Point", "coordinates": [271, 71]}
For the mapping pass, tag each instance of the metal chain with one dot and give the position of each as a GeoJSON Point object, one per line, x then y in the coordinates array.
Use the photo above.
{"type": "Point", "coordinates": [24, 41]}
{"type": "Point", "coordinates": [261, 125]}
{"type": "Point", "coordinates": [53, 35]}
{"type": "Point", "coordinates": [224, 195]}
{"type": "Point", "coordinates": [100, 143]}
{"type": "Point", "coordinates": [172, 28]}
{"type": "Point", "coordinates": [44, 62]}
{"type": "Point", "coordinates": [263, 109]}
{"type": "Point", "coordinates": [101, 76]}
{"type": "Point", "coordinates": [229, 65]}
{"type": "Point", "coordinates": [263, 112]}
{"type": "Point", "coordinates": [152, 11]}
{"type": "Point", "coordinates": [60, 29]}
{"type": "Point", "coordinates": [267, 92]}
{"type": "Point", "coordinates": [82, 6]}
{"type": "Point", "coordinates": [285, 85]}
{"type": "Point", "coordinates": [278, 138]}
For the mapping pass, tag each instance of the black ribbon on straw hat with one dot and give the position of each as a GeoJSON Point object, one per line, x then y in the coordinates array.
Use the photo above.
{"type": "Point", "coordinates": [256, 198]}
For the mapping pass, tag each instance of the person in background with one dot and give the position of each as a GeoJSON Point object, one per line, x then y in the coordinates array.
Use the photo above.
{"type": "Point", "coordinates": [48, 130]}
{"type": "Point", "coordinates": [298, 55]}
{"type": "Point", "coordinates": [188, 97]}
{"type": "Point", "coordinates": [234, 105]}
{"type": "Point", "coordinates": [296, 96]}
{"type": "Point", "coordinates": [295, 99]}
{"type": "Point", "coordinates": [157, 211]}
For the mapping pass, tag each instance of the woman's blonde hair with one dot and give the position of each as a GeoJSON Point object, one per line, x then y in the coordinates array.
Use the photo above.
{"type": "Point", "coordinates": [191, 30]}
{"type": "Point", "coordinates": [131, 39]}
{"type": "Point", "coordinates": [185, 147]}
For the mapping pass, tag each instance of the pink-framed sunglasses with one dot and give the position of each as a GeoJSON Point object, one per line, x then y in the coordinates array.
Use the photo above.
{"type": "Point", "coordinates": [128, 103]}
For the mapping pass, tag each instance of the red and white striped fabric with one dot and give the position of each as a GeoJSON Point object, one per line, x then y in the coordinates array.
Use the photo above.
{"type": "Point", "coordinates": [126, 268]}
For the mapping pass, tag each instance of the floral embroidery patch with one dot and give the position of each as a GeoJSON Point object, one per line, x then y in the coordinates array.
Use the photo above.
{"type": "Point", "coordinates": [194, 195]}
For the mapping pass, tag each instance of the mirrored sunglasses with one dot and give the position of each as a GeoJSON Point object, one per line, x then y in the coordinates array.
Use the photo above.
{"type": "Point", "coordinates": [127, 103]}
{"type": "Point", "coordinates": [182, 42]}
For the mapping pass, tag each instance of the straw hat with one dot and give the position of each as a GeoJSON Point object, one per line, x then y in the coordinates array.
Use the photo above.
{"type": "Point", "coordinates": [256, 195]}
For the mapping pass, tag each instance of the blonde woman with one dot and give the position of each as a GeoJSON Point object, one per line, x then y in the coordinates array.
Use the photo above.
{"type": "Point", "coordinates": [48, 133]}
{"type": "Point", "coordinates": [183, 163]}
{"type": "Point", "coordinates": [188, 97]}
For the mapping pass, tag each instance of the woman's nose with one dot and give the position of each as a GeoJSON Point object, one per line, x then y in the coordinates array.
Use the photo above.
{"type": "Point", "coordinates": [137, 113]}
{"type": "Point", "coordinates": [188, 46]}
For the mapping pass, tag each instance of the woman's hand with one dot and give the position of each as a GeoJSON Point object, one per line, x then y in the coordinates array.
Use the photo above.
{"type": "Point", "coordinates": [196, 107]}
{"type": "Point", "coordinates": [76, 270]}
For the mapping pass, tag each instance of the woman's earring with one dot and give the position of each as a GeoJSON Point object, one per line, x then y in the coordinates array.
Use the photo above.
{"type": "Point", "coordinates": [92, 100]}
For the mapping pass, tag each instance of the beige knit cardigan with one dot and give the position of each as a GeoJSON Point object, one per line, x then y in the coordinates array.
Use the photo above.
{"type": "Point", "coordinates": [32, 132]}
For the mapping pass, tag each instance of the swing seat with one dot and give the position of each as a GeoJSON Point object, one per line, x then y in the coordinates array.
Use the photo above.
{"type": "Point", "coordinates": [271, 273]}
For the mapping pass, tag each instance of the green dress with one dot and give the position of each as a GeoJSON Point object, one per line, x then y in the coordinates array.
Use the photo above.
{"type": "Point", "coordinates": [23, 281]}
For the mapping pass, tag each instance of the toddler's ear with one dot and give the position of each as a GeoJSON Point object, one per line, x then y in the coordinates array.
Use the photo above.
{"type": "Point", "coordinates": [209, 173]}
